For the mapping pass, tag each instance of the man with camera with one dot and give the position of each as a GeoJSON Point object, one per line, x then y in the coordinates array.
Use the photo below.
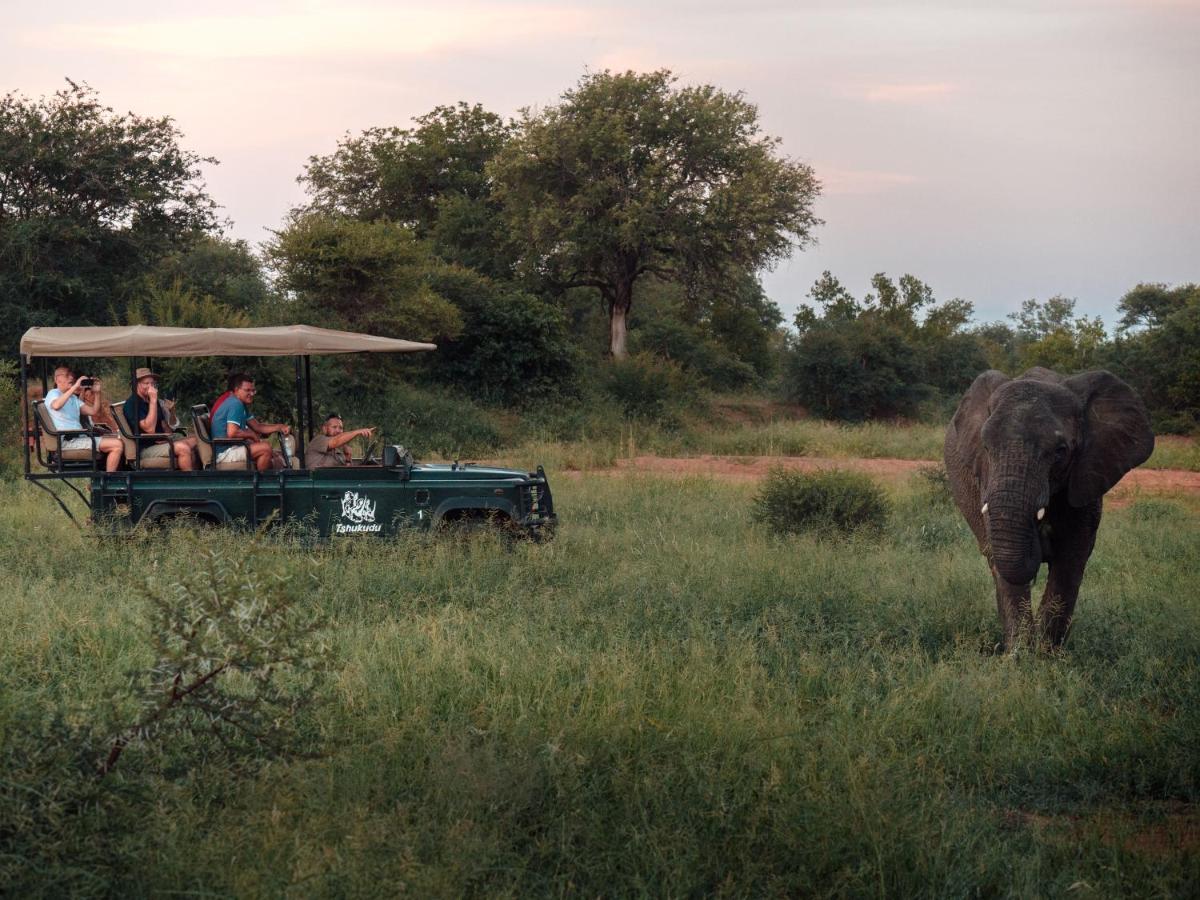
{"type": "Point", "coordinates": [65, 406]}
{"type": "Point", "coordinates": [148, 416]}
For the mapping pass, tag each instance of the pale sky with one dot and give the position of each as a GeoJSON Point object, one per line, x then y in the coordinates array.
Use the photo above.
{"type": "Point", "coordinates": [996, 150]}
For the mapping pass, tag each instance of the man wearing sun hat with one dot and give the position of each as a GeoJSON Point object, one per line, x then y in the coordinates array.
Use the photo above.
{"type": "Point", "coordinates": [147, 415]}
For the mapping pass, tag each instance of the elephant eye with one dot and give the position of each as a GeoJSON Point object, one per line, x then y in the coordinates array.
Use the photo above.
{"type": "Point", "coordinates": [1060, 452]}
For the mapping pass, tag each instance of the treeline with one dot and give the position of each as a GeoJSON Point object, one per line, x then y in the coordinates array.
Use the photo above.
{"type": "Point", "coordinates": [598, 253]}
{"type": "Point", "coordinates": [527, 249]}
{"type": "Point", "coordinates": [898, 352]}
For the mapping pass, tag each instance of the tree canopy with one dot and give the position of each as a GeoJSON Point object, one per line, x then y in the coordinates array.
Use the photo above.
{"type": "Point", "coordinates": [90, 200]}
{"type": "Point", "coordinates": [1158, 351]}
{"type": "Point", "coordinates": [365, 276]}
{"type": "Point", "coordinates": [432, 178]}
{"type": "Point", "coordinates": [630, 175]}
{"type": "Point", "coordinates": [878, 357]}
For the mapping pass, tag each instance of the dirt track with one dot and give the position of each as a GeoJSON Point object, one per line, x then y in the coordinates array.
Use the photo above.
{"type": "Point", "coordinates": [752, 468]}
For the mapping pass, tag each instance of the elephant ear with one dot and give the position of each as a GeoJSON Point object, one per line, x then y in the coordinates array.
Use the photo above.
{"type": "Point", "coordinates": [968, 421]}
{"type": "Point", "coordinates": [1116, 435]}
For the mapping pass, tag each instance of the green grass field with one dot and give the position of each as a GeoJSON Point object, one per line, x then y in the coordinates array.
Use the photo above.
{"type": "Point", "coordinates": [808, 437]}
{"type": "Point", "coordinates": [663, 701]}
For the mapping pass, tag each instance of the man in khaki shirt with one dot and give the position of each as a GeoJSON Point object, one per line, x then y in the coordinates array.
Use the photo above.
{"type": "Point", "coordinates": [329, 447]}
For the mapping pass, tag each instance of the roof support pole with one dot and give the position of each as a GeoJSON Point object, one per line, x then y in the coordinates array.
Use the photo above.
{"type": "Point", "coordinates": [25, 434]}
{"type": "Point", "coordinates": [308, 394]}
{"type": "Point", "coordinates": [300, 410]}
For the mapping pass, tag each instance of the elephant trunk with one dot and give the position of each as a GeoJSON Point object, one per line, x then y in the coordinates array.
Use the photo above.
{"type": "Point", "coordinates": [1012, 522]}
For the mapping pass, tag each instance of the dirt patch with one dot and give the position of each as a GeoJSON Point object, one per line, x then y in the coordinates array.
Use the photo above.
{"type": "Point", "coordinates": [1176, 829]}
{"type": "Point", "coordinates": [752, 468]}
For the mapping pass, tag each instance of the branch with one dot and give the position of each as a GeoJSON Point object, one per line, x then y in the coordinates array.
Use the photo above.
{"type": "Point", "coordinates": [174, 699]}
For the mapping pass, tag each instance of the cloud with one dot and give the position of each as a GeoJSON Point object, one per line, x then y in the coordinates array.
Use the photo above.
{"type": "Point", "coordinates": [908, 93]}
{"type": "Point", "coordinates": [319, 33]}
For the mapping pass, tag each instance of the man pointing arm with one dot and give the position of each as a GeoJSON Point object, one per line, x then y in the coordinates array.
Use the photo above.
{"type": "Point", "coordinates": [329, 448]}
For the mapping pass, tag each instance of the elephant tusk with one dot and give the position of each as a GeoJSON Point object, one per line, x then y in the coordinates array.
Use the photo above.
{"type": "Point", "coordinates": [1041, 512]}
{"type": "Point", "coordinates": [983, 512]}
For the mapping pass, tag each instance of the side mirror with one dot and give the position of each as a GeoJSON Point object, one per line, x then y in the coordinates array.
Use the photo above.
{"type": "Point", "coordinates": [397, 456]}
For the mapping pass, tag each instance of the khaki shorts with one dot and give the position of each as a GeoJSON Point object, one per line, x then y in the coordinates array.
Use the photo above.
{"type": "Point", "coordinates": [82, 442]}
{"type": "Point", "coordinates": [156, 451]}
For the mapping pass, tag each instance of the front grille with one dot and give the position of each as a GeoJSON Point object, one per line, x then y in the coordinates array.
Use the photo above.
{"type": "Point", "coordinates": [537, 500]}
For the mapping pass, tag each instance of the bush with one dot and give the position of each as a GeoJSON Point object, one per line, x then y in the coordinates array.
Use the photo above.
{"type": "Point", "coordinates": [933, 485]}
{"type": "Point", "coordinates": [646, 387]}
{"type": "Point", "coordinates": [239, 657]}
{"type": "Point", "coordinates": [792, 502]}
{"type": "Point", "coordinates": [862, 369]}
{"type": "Point", "coordinates": [701, 356]}
{"type": "Point", "coordinates": [10, 419]}
{"type": "Point", "coordinates": [426, 420]}
{"type": "Point", "coordinates": [514, 349]}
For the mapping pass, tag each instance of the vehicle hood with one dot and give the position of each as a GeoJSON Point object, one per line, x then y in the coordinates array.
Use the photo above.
{"type": "Point", "coordinates": [469, 472]}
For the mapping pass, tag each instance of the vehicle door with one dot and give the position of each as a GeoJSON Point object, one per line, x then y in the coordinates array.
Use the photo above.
{"type": "Point", "coordinates": [360, 501]}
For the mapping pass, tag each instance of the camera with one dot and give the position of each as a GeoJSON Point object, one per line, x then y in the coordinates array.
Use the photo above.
{"type": "Point", "coordinates": [87, 382]}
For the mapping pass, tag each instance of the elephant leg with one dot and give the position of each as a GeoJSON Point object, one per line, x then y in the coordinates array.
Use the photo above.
{"type": "Point", "coordinates": [1015, 608]}
{"type": "Point", "coordinates": [1071, 552]}
{"type": "Point", "coordinates": [1058, 602]}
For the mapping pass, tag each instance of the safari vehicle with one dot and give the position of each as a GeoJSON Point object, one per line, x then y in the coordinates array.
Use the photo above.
{"type": "Point", "coordinates": [378, 495]}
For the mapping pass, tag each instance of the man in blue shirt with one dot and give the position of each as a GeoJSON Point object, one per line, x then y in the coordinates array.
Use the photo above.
{"type": "Point", "coordinates": [233, 419]}
{"type": "Point", "coordinates": [65, 406]}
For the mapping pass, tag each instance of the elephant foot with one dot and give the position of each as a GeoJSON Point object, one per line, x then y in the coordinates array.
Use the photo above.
{"type": "Point", "coordinates": [1055, 615]}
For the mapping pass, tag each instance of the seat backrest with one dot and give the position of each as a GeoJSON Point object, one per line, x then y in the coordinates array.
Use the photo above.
{"type": "Point", "coordinates": [130, 445]}
{"type": "Point", "coordinates": [48, 442]}
{"type": "Point", "coordinates": [47, 433]}
{"type": "Point", "coordinates": [202, 425]}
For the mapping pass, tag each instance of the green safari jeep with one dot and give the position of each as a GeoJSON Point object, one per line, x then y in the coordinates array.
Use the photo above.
{"type": "Point", "coordinates": [362, 499]}
{"type": "Point", "coordinates": [374, 497]}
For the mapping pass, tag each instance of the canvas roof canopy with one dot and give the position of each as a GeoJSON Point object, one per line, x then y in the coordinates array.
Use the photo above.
{"type": "Point", "coordinates": [159, 341]}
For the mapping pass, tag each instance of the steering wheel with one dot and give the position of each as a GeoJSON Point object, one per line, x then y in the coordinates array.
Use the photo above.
{"type": "Point", "coordinates": [368, 457]}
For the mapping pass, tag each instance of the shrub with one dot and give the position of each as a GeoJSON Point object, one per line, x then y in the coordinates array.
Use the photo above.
{"type": "Point", "coordinates": [514, 349]}
{"type": "Point", "coordinates": [700, 355]}
{"type": "Point", "coordinates": [933, 485]}
{"type": "Point", "coordinates": [444, 421]}
{"type": "Point", "coordinates": [646, 387]}
{"type": "Point", "coordinates": [237, 655]}
{"type": "Point", "coordinates": [792, 502]}
{"type": "Point", "coordinates": [10, 419]}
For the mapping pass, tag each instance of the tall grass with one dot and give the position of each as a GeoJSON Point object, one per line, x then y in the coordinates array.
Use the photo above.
{"type": "Point", "coordinates": [665, 700]}
{"type": "Point", "coordinates": [808, 437]}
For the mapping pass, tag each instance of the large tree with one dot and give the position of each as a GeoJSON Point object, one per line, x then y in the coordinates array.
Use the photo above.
{"type": "Point", "coordinates": [630, 175]}
{"type": "Point", "coordinates": [431, 178]}
{"type": "Point", "coordinates": [90, 201]}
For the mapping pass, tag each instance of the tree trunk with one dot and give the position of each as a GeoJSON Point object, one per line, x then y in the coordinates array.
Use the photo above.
{"type": "Point", "coordinates": [618, 310]}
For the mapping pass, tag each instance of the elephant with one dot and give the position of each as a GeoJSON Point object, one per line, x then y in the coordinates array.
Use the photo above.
{"type": "Point", "coordinates": [1029, 460]}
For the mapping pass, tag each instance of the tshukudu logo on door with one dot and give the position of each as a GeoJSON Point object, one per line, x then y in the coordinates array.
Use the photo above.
{"type": "Point", "coordinates": [358, 515]}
